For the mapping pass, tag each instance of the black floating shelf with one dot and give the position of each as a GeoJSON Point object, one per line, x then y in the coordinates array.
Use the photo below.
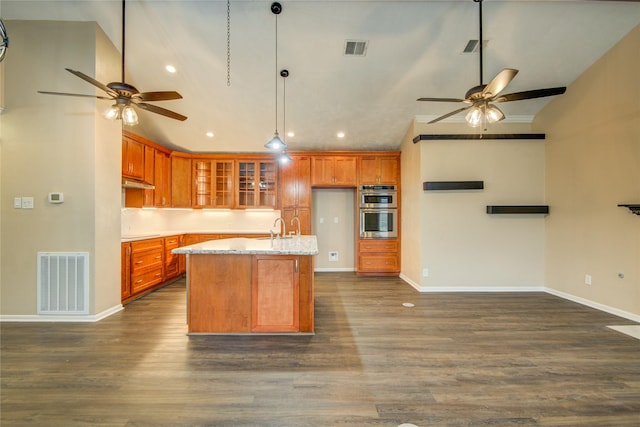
{"type": "Point", "coordinates": [634, 208]}
{"type": "Point", "coordinates": [466, 136]}
{"type": "Point", "coordinates": [452, 185]}
{"type": "Point", "coordinates": [520, 209]}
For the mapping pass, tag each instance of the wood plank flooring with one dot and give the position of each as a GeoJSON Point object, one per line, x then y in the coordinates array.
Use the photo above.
{"type": "Point", "coordinates": [454, 359]}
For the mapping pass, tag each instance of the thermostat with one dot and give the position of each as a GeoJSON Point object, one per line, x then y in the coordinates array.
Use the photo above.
{"type": "Point", "coordinates": [56, 197]}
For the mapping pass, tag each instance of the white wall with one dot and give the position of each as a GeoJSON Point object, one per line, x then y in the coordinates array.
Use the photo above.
{"type": "Point", "coordinates": [55, 143]}
{"type": "Point", "coordinates": [462, 246]}
{"type": "Point", "coordinates": [330, 205]}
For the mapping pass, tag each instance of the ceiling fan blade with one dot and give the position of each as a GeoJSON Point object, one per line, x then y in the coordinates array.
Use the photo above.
{"type": "Point", "coordinates": [73, 94]}
{"type": "Point", "coordinates": [441, 99]}
{"type": "Point", "coordinates": [93, 81]}
{"type": "Point", "coordinates": [499, 82]}
{"type": "Point", "coordinates": [453, 113]}
{"type": "Point", "coordinates": [160, 110]}
{"type": "Point", "coordinates": [530, 94]}
{"type": "Point", "coordinates": [158, 96]}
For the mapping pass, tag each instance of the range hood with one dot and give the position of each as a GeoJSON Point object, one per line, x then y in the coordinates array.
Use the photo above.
{"type": "Point", "coordinates": [126, 183]}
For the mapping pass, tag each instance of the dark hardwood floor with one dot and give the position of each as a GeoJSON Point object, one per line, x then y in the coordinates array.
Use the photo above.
{"type": "Point", "coordinates": [454, 359]}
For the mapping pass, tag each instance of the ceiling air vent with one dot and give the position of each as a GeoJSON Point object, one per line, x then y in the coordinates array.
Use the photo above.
{"type": "Point", "coordinates": [472, 46]}
{"type": "Point", "coordinates": [355, 47]}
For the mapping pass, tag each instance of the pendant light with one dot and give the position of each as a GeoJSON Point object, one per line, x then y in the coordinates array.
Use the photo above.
{"type": "Point", "coordinates": [276, 143]}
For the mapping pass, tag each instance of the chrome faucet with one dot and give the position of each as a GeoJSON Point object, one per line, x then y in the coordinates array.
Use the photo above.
{"type": "Point", "coordinates": [298, 221]}
{"type": "Point", "coordinates": [283, 227]}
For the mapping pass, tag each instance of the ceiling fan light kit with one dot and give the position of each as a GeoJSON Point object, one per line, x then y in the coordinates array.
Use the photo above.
{"type": "Point", "coordinates": [126, 96]}
{"type": "Point", "coordinates": [480, 98]}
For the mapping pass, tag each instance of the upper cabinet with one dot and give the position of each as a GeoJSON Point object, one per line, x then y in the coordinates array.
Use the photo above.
{"type": "Point", "coordinates": [379, 169]}
{"type": "Point", "coordinates": [212, 183]}
{"type": "Point", "coordinates": [256, 184]}
{"type": "Point", "coordinates": [295, 182]}
{"type": "Point", "coordinates": [333, 171]}
{"type": "Point", "coordinates": [180, 181]}
{"type": "Point", "coordinates": [133, 158]}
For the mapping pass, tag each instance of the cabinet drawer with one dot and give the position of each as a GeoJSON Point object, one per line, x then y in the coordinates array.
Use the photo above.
{"type": "Point", "coordinates": [146, 260]}
{"type": "Point", "coordinates": [378, 263]}
{"type": "Point", "coordinates": [172, 269]}
{"type": "Point", "coordinates": [140, 282]}
{"type": "Point", "coordinates": [370, 246]}
{"type": "Point", "coordinates": [171, 242]}
{"type": "Point", "coordinates": [145, 245]}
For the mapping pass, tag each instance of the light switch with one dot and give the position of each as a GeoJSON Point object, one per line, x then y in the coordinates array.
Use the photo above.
{"type": "Point", "coordinates": [27, 203]}
{"type": "Point", "coordinates": [17, 202]}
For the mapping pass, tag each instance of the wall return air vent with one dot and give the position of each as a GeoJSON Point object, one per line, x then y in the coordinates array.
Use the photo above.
{"type": "Point", "coordinates": [355, 47]}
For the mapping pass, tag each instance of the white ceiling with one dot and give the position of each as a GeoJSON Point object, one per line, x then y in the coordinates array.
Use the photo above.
{"type": "Point", "coordinates": [414, 51]}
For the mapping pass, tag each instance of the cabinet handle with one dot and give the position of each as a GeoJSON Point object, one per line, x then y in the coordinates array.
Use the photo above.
{"type": "Point", "coordinates": [138, 281]}
{"type": "Point", "coordinates": [158, 274]}
{"type": "Point", "coordinates": [296, 268]}
{"type": "Point", "coordinates": [139, 262]}
{"type": "Point", "coordinates": [159, 256]}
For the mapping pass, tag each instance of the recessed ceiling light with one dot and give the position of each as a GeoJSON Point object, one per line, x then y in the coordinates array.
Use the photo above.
{"type": "Point", "coordinates": [170, 68]}
{"type": "Point", "coordinates": [340, 135]}
{"type": "Point", "coordinates": [291, 134]}
{"type": "Point", "coordinates": [210, 134]}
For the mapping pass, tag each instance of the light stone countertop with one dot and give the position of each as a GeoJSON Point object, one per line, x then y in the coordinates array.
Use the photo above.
{"type": "Point", "coordinates": [296, 245]}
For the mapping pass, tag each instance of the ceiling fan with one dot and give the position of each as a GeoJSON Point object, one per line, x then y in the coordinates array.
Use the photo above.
{"type": "Point", "coordinates": [481, 97]}
{"type": "Point", "coordinates": [125, 95]}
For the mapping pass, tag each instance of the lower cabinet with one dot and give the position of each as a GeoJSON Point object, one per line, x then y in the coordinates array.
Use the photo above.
{"type": "Point", "coordinates": [147, 265]}
{"type": "Point", "coordinates": [275, 287]}
{"type": "Point", "coordinates": [378, 257]}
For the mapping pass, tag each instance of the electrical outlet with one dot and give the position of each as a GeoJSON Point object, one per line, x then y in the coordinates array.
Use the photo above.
{"type": "Point", "coordinates": [587, 279]}
{"type": "Point", "coordinates": [336, 220]}
{"type": "Point", "coordinates": [425, 272]}
{"type": "Point", "coordinates": [333, 256]}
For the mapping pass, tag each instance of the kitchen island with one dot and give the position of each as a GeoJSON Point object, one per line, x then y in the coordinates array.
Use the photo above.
{"type": "Point", "coordinates": [251, 286]}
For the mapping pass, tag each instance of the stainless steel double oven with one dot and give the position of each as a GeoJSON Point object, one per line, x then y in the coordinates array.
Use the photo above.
{"type": "Point", "coordinates": [378, 211]}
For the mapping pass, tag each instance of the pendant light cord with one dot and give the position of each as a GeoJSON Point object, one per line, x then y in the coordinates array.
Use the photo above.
{"type": "Point", "coordinates": [284, 107]}
{"type": "Point", "coordinates": [228, 42]}
{"type": "Point", "coordinates": [480, 41]}
{"type": "Point", "coordinates": [276, 74]}
{"type": "Point", "coordinates": [123, 39]}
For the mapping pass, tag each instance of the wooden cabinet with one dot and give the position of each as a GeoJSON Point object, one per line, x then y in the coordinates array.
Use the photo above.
{"type": "Point", "coordinates": [212, 183]}
{"type": "Point", "coordinates": [256, 184]}
{"type": "Point", "coordinates": [162, 180]}
{"type": "Point", "coordinates": [333, 171]}
{"type": "Point", "coordinates": [180, 181]}
{"type": "Point", "coordinates": [295, 190]}
{"type": "Point", "coordinates": [171, 261]}
{"type": "Point", "coordinates": [125, 270]}
{"type": "Point", "coordinates": [147, 264]}
{"type": "Point", "coordinates": [378, 257]}
{"type": "Point", "coordinates": [379, 169]}
{"type": "Point", "coordinates": [132, 159]}
{"type": "Point", "coordinates": [275, 297]}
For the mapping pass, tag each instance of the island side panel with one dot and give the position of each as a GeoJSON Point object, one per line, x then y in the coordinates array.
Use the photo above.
{"type": "Point", "coordinates": [219, 293]}
{"type": "Point", "coordinates": [275, 293]}
{"type": "Point", "coordinates": [307, 318]}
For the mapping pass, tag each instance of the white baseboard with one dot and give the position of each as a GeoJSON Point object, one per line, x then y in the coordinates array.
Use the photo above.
{"type": "Point", "coordinates": [564, 295]}
{"type": "Point", "coordinates": [62, 318]}
{"type": "Point", "coordinates": [593, 304]}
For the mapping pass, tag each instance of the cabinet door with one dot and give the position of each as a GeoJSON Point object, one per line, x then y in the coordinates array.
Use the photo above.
{"type": "Point", "coordinates": [256, 184]}
{"type": "Point", "coordinates": [345, 171]}
{"type": "Point", "coordinates": [222, 181]}
{"type": "Point", "coordinates": [149, 175]}
{"type": "Point", "coordinates": [388, 170]}
{"type": "Point", "coordinates": [201, 174]}
{"type": "Point", "coordinates": [132, 159]}
{"type": "Point", "coordinates": [275, 302]}
{"type": "Point", "coordinates": [125, 270]}
{"type": "Point", "coordinates": [303, 215]}
{"type": "Point", "coordinates": [322, 171]}
{"type": "Point", "coordinates": [161, 180]}
{"type": "Point", "coordinates": [369, 170]}
{"type": "Point", "coordinates": [180, 182]}
{"type": "Point", "coordinates": [295, 182]}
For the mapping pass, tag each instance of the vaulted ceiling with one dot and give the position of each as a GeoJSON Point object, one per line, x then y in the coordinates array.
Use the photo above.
{"type": "Point", "coordinates": [228, 74]}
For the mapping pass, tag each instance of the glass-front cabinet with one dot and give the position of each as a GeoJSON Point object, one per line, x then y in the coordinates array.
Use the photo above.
{"type": "Point", "coordinates": [213, 183]}
{"type": "Point", "coordinates": [256, 184]}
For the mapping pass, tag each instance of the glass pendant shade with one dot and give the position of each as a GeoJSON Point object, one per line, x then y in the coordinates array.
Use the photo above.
{"type": "Point", "coordinates": [113, 113]}
{"type": "Point", "coordinates": [276, 143]}
{"type": "Point", "coordinates": [474, 117]}
{"type": "Point", "coordinates": [284, 158]}
{"type": "Point", "coordinates": [493, 114]}
{"type": "Point", "coordinates": [129, 116]}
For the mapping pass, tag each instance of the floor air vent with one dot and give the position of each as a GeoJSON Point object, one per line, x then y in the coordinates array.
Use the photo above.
{"type": "Point", "coordinates": [63, 282]}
